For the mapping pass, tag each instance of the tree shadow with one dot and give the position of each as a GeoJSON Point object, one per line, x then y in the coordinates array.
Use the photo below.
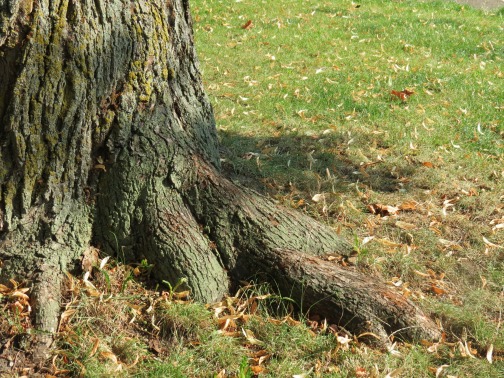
{"type": "Point", "coordinates": [290, 163]}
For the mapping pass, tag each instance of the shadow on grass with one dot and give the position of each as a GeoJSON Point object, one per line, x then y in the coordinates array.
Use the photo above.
{"type": "Point", "coordinates": [292, 163]}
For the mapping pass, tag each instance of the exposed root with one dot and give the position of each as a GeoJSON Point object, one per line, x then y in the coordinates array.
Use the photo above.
{"type": "Point", "coordinates": [46, 298]}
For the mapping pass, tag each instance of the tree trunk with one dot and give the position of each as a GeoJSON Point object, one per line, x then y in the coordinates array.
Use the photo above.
{"type": "Point", "coordinates": [108, 139]}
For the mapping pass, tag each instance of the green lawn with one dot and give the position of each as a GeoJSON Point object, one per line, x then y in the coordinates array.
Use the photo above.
{"type": "Point", "coordinates": [302, 98]}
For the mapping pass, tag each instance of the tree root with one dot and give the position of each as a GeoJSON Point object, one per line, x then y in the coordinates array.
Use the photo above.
{"type": "Point", "coordinates": [256, 237]}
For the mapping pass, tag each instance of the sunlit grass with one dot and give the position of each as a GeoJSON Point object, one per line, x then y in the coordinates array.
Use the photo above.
{"type": "Point", "coordinates": [302, 101]}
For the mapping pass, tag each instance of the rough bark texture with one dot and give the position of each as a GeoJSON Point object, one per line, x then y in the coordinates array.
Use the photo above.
{"type": "Point", "coordinates": [107, 138]}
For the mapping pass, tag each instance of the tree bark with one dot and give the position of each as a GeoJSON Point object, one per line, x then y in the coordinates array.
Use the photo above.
{"type": "Point", "coordinates": [108, 139]}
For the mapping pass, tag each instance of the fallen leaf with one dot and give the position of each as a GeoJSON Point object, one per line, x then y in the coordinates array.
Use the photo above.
{"type": "Point", "coordinates": [405, 226]}
{"type": "Point", "coordinates": [394, 373]}
{"type": "Point", "coordinates": [19, 294]}
{"type": "Point", "coordinates": [433, 348]}
{"type": "Point", "coordinates": [249, 335]}
{"type": "Point", "coordinates": [256, 369]}
{"type": "Point", "coordinates": [247, 25]}
{"type": "Point", "coordinates": [498, 227]}
{"type": "Point", "coordinates": [68, 313]}
{"type": "Point", "coordinates": [182, 294]}
{"type": "Point", "coordinates": [366, 240]}
{"type": "Point", "coordinates": [361, 372]}
{"type": "Point", "coordinates": [428, 164]}
{"type": "Point", "coordinates": [388, 243]}
{"type": "Point", "coordinates": [490, 244]}
{"type": "Point", "coordinates": [439, 370]}
{"type": "Point", "coordinates": [383, 210]}
{"type": "Point", "coordinates": [464, 350]}
{"type": "Point", "coordinates": [260, 356]}
{"type": "Point", "coordinates": [90, 258]}
{"type": "Point", "coordinates": [109, 355]}
{"type": "Point", "coordinates": [403, 95]}
{"type": "Point", "coordinates": [104, 262]}
{"type": "Point", "coordinates": [344, 340]}
{"type": "Point", "coordinates": [86, 277]}
{"type": "Point", "coordinates": [489, 353]}
{"type": "Point", "coordinates": [421, 273]}
{"type": "Point", "coordinates": [318, 197]}
{"type": "Point", "coordinates": [95, 347]}
{"type": "Point", "coordinates": [438, 291]}
{"type": "Point", "coordinates": [450, 244]}
{"type": "Point", "coordinates": [408, 206]}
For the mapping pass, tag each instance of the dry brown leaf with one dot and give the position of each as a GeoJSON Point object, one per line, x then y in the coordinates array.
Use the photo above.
{"type": "Point", "coordinates": [275, 321]}
{"type": "Point", "coordinates": [249, 335]}
{"type": "Point", "coordinates": [361, 372]}
{"type": "Point", "coordinates": [104, 262]}
{"type": "Point", "coordinates": [19, 294]}
{"type": "Point", "coordinates": [408, 206]}
{"type": "Point", "coordinates": [421, 274]}
{"type": "Point", "coordinates": [490, 244]}
{"type": "Point", "coordinates": [489, 353]}
{"type": "Point", "coordinates": [109, 355]}
{"type": "Point", "coordinates": [388, 243]}
{"type": "Point", "coordinates": [382, 210]}
{"type": "Point", "coordinates": [182, 294]}
{"type": "Point", "coordinates": [395, 373]}
{"type": "Point", "coordinates": [450, 244]}
{"type": "Point", "coordinates": [260, 356]}
{"type": "Point", "coordinates": [403, 95]}
{"type": "Point", "coordinates": [405, 226]}
{"type": "Point", "coordinates": [439, 370]}
{"type": "Point", "coordinates": [247, 25]}
{"type": "Point", "coordinates": [290, 321]}
{"type": "Point", "coordinates": [231, 334]}
{"type": "Point", "coordinates": [428, 164]}
{"type": "Point", "coordinates": [96, 343]}
{"type": "Point", "coordinates": [226, 324]}
{"type": "Point", "coordinates": [89, 259]}
{"type": "Point", "coordinates": [92, 292]}
{"type": "Point", "coordinates": [436, 290]}
{"type": "Point", "coordinates": [68, 313]}
{"type": "Point", "coordinates": [259, 353]}
{"type": "Point", "coordinates": [17, 305]}
{"type": "Point", "coordinates": [257, 369]}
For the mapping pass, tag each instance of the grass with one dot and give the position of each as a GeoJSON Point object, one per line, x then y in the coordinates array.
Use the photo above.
{"type": "Point", "coordinates": [303, 105]}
